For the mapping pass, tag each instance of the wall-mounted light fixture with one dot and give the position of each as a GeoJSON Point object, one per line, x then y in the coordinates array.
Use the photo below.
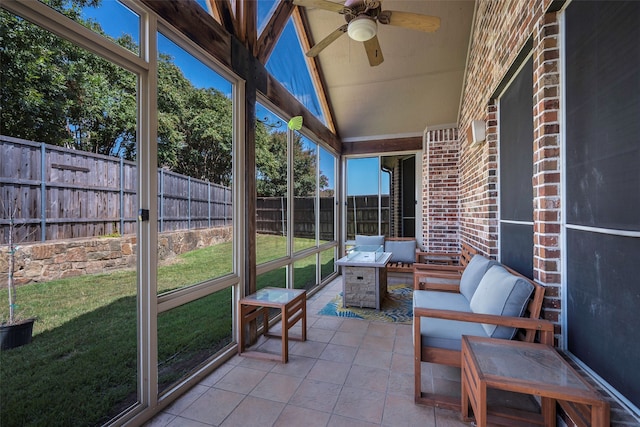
{"type": "Point", "coordinates": [476, 133]}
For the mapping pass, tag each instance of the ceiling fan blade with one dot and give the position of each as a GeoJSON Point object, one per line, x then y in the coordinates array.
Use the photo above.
{"type": "Point", "coordinates": [374, 53]}
{"type": "Point", "coordinates": [322, 4]}
{"type": "Point", "coordinates": [410, 20]}
{"type": "Point", "coordinates": [315, 50]}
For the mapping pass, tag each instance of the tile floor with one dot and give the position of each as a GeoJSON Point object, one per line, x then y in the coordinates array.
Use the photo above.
{"type": "Point", "coordinates": [349, 372]}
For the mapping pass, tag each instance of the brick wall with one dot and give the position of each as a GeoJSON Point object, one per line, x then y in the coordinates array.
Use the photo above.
{"type": "Point", "coordinates": [440, 201]}
{"type": "Point", "coordinates": [501, 30]}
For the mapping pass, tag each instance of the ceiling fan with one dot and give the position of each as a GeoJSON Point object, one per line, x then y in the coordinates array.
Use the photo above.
{"type": "Point", "coordinates": [362, 18]}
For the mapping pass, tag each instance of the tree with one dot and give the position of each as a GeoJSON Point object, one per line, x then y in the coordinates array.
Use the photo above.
{"type": "Point", "coordinates": [271, 163]}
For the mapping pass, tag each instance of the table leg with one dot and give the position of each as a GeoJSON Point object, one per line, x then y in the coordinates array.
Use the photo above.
{"type": "Point", "coordinates": [464, 391]}
{"type": "Point", "coordinates": [481, 412]}
{"type": "Point", "coordinates": [548, 411]}
{"type": "Point", "coordinates": [285, 334]}
{"type": "Point", "coordinates": [600, 415]}
{"type": "Point", "coordinates": [242, 325]}
{"type": "Point", "coordinates": [304, 318]}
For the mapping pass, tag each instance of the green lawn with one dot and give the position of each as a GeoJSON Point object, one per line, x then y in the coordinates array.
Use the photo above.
{"type": "Point", "coordinates": [80, 368]}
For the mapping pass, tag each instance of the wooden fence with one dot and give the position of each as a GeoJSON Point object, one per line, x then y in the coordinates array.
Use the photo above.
{"type": "Point", "coordinates": [59, 193]}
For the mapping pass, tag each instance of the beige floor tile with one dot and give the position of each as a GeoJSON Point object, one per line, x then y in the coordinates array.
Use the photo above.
{"type": "Point", "coordinates": [298, 366]}
{"type": "Point", "coordinates": [368, 378]}
{"type": "Point", "coordinates": [353, 403]}
{"type": "Point", "coordinates": [353, 339]}
{"type": "Point", "coordinates": [254, 411]}
{"type": "Point", "coordinates": [340, 421]}
{"type": "Point", "coordinates": [277, 387]}
{"type": "Point", "coordinates": [241, 380]}
{"type": "Point", "coordinates": [373, 358]}
{"type": "Point", "coordinates": [402, 411]}
{"type": "Point", "coordinates": [296, 416]}
{"type": "Point", "coordinates": [339, 353]}
{"type": "Point", "coordinates": [213, 406]}
{"type": "Point", "coordinates": [349, 372]}
{"type": "Point", "coordinates": [307, 348]}
{"type": "Point", "coordinates": [329, 371]}
{"type": "Point", "coordinates": [186, 399]}
{"type": "Point", "coordinates": [384, 343]}
{"type": "Point", "coordinates": [319, 395]}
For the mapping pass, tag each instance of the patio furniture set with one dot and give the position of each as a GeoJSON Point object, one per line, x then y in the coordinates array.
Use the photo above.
{"type": "Point", "coordinates": [470, 312]}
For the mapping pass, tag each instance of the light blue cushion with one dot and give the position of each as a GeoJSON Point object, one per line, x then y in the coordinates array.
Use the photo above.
{"type": "Point", "coordinates": [369, 240]}
{"type": "Point", "coordinates": [440, 300]}
{"type": "Point", "coordinates": [501, 293]}
{"type": "Point", "coordinates": [401, 250]}
{"type": "Point", "coordinates": [473, 273]}
{"type": "Point", "coordinates": [447, 334]}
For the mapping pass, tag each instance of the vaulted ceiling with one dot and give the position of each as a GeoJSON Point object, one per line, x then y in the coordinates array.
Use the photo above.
{"type": "Point", "coordinates": [419, 84]}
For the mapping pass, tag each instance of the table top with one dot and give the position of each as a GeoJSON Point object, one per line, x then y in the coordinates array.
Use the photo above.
{"type": "Point", "coordinates": [356, 262]}
{"type": "Point", "coordinates": [272, 296]}
{"type": "Point", "coordinates": [527, 362]}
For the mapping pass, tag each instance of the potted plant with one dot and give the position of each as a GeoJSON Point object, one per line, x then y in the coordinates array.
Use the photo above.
{"type": "Point", "coordinates": [14, 331]}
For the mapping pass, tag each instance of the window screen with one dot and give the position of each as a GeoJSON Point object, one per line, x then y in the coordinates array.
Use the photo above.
{"type": "Point", "coordinates": [516, 172]}
{"type": "Point", "coordinates": [602, 165]}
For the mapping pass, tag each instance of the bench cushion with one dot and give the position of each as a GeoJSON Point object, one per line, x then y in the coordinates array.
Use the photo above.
{"type": "Point", "coordinates": [362, 240]}
{"type": "Point", "coordinates": [440, 300]}
{"type": "Point", "coordinates": [473, 273]}
{"type": "Point", "coordinates": [447, 334]}
{"type": "Point", "coordinates": [401, 250]}
{"type": "Point", "coordinates": [501, 293]}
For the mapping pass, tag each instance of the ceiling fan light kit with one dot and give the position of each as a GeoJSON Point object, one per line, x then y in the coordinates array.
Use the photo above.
{"type": "Point", "coordinates": [362, 18]}
{"type": "Point", "coordinates": [362, 29]}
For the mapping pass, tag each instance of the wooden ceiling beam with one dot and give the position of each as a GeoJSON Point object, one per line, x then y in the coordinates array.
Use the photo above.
{"type": "Point", "coordinates": [222, 11]}
{"type": "Point", "coordinates": [247, 14]}
{"type": "Point", "coordinates": [301, 23]}
{"type": "Point", "coordinates": [373, 146]}
{"type": "Point", "coordinates": [281, 98]}
{"type": "Point", "coordinates": [272, 31]}
{"type": "Point", "coordinates": [195, 23]}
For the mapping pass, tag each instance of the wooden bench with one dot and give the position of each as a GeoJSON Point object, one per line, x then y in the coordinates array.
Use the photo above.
{"type": "Point", "coordinates": [527, 327]}
{"type": "Point", "coordinates": [403, 266]}
{"type": "Point", "coordinates": [441, 268]}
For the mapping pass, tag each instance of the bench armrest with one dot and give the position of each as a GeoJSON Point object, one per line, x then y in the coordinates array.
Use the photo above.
{"type": "Point", "coordinates": [545, 327]}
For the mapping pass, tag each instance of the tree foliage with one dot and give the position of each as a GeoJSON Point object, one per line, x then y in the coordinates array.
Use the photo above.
{"type": "Point", "coordinates": [55, 92]}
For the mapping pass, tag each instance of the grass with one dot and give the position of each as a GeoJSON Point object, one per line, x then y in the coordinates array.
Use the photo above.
{"type": "Point", "coordinates": [81, 367]}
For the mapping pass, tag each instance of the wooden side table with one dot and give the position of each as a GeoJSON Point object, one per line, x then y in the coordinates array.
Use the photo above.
{"type": "Point", "coordinates": [293, 306]}
{"type": "Point", "coordinates": [528, 368]}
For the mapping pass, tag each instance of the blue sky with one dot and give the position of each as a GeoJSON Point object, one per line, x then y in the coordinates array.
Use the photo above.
{"type": "Point", "coordinates": [286, 63]}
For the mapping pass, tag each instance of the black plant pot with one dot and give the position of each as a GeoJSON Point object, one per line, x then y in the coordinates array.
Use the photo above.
{"type": "Point", "coordinates": [15, 335]}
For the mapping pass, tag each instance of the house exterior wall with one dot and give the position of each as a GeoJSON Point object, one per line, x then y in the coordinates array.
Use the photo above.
{"type": "Point", "coordinates": [501, 30]}
{"type": "Point", "coordinates": [440, 198]}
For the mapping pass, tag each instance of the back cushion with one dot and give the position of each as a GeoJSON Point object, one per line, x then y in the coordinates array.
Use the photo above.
{"type": "Point", "coordinates": [501, 293]}
{"type": "Point", "coordinates": [401, 250]}
{"type": "Point", "coordinates": [369, 240]}
{"type": "Point", "coordinates": [473, 273]}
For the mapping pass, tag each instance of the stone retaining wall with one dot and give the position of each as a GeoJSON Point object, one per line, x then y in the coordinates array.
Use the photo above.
{"type": "Point", "coordinates": [41, 262]}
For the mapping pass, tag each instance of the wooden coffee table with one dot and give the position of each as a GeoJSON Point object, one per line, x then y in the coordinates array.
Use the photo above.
{"type": "Point", "coordinates": [293, 305]}
{"type": "Point", "coordinates": [528, 368]}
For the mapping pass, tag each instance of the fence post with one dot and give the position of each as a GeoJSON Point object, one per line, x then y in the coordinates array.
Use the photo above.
{"type": "Point", "coordinates": [355, 217]}
{"type": "Point", "coordinates": [43, 192]}
{"type": "Point", "coordinates": [209, 203]}
{"type": "Point", "coordinates": [282, 214]}
{"type": "Point", "coordinates": [121, 195]}
{"type": "Point", "coordinates": [189, 203]}
{"type": "Point", "coordinates": [161, 199]}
